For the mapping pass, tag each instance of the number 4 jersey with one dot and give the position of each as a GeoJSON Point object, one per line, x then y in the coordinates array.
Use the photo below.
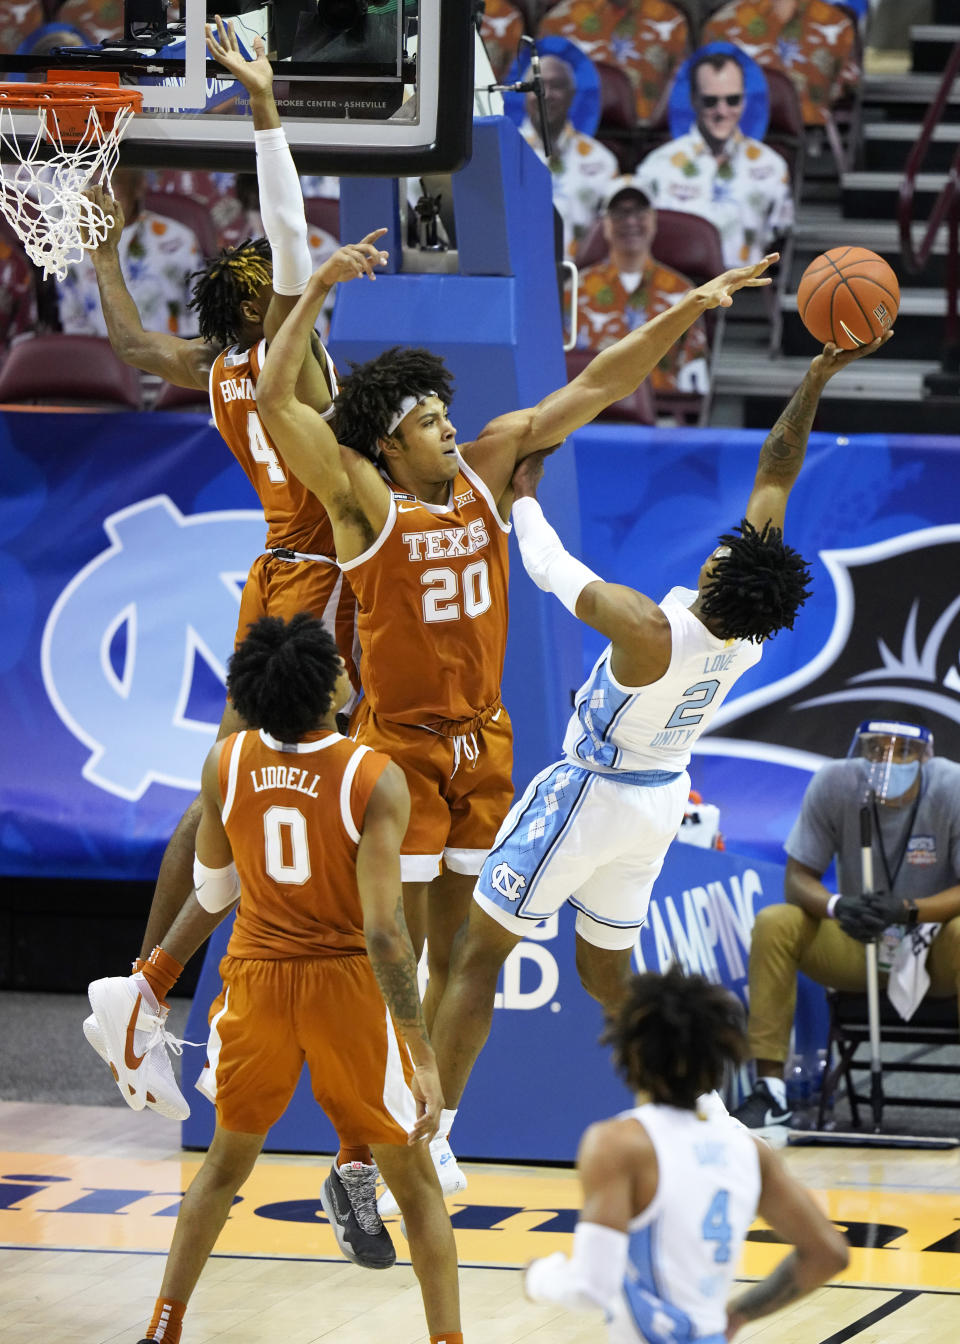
{"type": "Point", "coordinates": [293, 813]}
{"type": "Point", "coordinates": [616, 727]}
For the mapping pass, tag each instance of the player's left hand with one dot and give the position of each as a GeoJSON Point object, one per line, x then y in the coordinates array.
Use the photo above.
{"type": "Point", "coordinates": [528, 475]}
{"type": "Point", "coordinates": [256, 76]}
{"type": "Point", "coordinates": [429, 1098]}
{"type": "Point", "coordinates": [719, 292]}
{"type": "Point", "coordinates": [833, 358]}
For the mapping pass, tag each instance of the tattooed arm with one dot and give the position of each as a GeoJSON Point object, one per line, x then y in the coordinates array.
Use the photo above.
{"type": "Point", "coordinates": [388, 941]}
{"type": "Point", "coordinates": [820, 1251]}
{"type": "Point", "coordinates": [781, 456]}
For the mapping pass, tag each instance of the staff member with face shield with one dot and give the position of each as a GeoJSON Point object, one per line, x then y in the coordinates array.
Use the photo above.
{"type": "Point", "coordinates": [913, 912]}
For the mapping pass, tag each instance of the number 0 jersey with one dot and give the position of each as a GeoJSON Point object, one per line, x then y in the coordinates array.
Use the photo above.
{"type": "Point", "coordinates": [432, 607]}
{"type": "Point", "coordinates": [293, 813]}
{"type": "Point", "coordinates": [683, 1249]}
{"type": "Point", "coordinates": [618, 728]}
{"type": "Point", "coordinates": [295, 517]}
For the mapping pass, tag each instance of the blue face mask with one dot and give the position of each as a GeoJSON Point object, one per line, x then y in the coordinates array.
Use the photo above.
{"type": "Point", "coordinates": [901, 777]}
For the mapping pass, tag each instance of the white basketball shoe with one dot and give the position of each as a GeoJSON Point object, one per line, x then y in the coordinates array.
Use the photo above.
{"type": "Point", "coordinates": [128, 1030]}
{"type": "Point", "coordinates": [452, 1179]}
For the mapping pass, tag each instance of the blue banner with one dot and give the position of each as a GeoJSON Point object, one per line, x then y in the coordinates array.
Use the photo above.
{"type": "Point", "coordinates": [126, 539]}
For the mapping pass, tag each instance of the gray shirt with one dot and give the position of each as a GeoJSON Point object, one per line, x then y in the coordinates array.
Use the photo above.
{"type": "Point", "coordinates": [829, 827]}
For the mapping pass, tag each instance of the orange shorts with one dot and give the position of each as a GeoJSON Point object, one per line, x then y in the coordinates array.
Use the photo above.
{"type": "Point", "coordinates": [276, 587]}
{"type": "Point", "coordinates": [461, 789]}
{"type": "Point", "coordinates": [272, 1016]}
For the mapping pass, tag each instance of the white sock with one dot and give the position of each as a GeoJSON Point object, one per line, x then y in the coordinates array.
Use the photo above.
{"type": "Point", "coordinates": [778, 1090]}
{"type": "Point", "coordinates": [446, 1123]}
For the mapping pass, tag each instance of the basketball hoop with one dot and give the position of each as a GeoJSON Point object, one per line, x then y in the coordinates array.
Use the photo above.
{"type": "Point", "coordinates": [76, 145]}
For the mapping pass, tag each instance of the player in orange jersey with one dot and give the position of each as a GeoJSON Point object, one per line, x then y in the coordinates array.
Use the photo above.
{"type": "Point", "coordinates": [421, 532]}
{"type": "Point", "coordinates": [305, 826]}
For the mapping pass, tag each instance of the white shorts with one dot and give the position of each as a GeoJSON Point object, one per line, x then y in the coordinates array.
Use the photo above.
{"type": "Point", "coordinates": [596, 841]}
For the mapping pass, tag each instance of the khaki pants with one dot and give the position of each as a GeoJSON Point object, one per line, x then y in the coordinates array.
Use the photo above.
{"type": "Point", "coordinates": [787, 940]}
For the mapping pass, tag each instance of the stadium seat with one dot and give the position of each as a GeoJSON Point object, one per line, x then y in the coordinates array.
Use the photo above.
{"type": "Point", "coordinates": [194, 215]}
{"type": "Point", "coordinates": [618, 117]}
{"type": "Point", "coordinates": [67, 370]}
{"type": "Point", "coordinates": [323, 212]}
{"type": "Point", "coordinates": [637, 409]}
{"type": "Point", "coordinates": [785, 132]}
{"type": "Point", "coordinates": [173, 398]}
{"type": "Point", "coordinates": [933, 1025]}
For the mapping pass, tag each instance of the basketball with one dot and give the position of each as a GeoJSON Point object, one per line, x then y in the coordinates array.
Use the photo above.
{"type": "Point", "coordinates": [849, 296]}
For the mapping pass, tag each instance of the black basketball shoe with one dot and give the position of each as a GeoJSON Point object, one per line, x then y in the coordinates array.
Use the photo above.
{"type": "Point", "coordinates": [762, 1113]}
{"type": "Point", "coordinates": [349, 1199]}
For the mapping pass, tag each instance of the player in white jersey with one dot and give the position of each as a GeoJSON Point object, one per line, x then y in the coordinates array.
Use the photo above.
{"type": "Point", "coordinates": [593, 829]}
{"type": "Point", "coordinates": [669, 1195]}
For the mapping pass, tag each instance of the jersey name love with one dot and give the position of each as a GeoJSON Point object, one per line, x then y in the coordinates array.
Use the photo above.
{"type": "Point", "coordinates": [237, 389]}
{"type": "Point", "coordinates": [283, 777]}
{"type": "Point", "coordinates": [441, 543]}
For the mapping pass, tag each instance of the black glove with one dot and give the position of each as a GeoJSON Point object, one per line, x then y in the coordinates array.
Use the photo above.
{"type": "Point", "coordinates": [859, 919]}
{"type": "Point", "coordinates": [886, 906]}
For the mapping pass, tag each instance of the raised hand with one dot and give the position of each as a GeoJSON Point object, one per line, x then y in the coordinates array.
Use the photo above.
{"type": "Point", "coordinates": [719, 292]}
{"type": "Point", "coordinates": [112, 209]}
{"type": "Point", "coordinates": [832, 358]}
{"type": "Point", "coordinates": [528, 475]}
{"type": "Point", "coordinates": [353, 259]}
{"type": "Point", "coordinates": [256, 76]}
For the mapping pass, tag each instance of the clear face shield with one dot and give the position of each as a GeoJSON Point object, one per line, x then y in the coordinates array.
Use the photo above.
{"type": "Point", "coordinates": [892, 754]}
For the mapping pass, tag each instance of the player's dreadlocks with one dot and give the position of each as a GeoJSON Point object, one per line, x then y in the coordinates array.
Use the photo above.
{"type": "Point", "coordinates": [282, 676]}
{"type": "Point", "coordinates": [372, 394]}
{"type": "Point", "coordinates": [759, 587]}
{"type": "Point", "coordinates": [225, 284]}
{"type": "Point", "coordinates": [674, 1036]}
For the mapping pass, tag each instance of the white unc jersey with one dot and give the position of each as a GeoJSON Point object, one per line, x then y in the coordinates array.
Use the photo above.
{"type": "Point", "coordinates": [683, 1249]}
{"type": "Point", "coordinates": [617, 728]}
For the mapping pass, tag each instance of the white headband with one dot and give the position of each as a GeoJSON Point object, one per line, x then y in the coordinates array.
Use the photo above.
{"type": "Point", "coordinates": [406, 406]}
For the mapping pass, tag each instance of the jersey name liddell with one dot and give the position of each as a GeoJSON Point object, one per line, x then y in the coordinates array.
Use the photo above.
{"type": "Point", "coordinates": [284, 777]}
{"type": "Point", "coordinates": [443, 542]}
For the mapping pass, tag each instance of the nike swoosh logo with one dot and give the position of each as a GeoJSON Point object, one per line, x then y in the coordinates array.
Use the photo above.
{"type": "Point", "coordinates": [406, 508]}
{"type": "Point", "coordinates": [130, 1056]}
{"type": "Point", "coordinates": [855, 339]}
{"type": "Point", "coordinates": [771, 1118]}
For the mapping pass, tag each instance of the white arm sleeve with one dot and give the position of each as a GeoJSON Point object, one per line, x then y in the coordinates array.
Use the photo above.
{"type": "Point", "coordinates": [216, 888]}
{"type": "Point", "coordinates": [590, 1279]}
{"type": "Point", "coordinates": [281, 208]}
{"type": "Point", "coordinates": [551, 567]}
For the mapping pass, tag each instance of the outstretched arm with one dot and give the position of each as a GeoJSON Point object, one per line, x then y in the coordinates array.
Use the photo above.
{"type": "Point", "coordinates": [635, 625]}
{"type": "Point", "coordinates": [388, 940]}
{"type": "Point", "coordinates": [610, 376]}
{"type": "Point", "coordinates": [185, 363]}
{"type": "Point", "coordinates": [784, 448]}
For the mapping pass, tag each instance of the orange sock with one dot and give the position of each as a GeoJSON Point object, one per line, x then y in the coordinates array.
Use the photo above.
{"type": "Point", "coordinates": [161, 973]}
{"type": "Point", "coordinates": [346, 1154]}
{"type": "Point", "coordinates": [449, 1337]}
{"type": "Point", "coordinates": [166, 1322]}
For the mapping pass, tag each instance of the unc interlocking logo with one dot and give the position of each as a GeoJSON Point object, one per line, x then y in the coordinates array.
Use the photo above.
{"type": "Point", "coordinates": [125, 638]}
{"type": "Point", "coordinates": [507, 882]}
{"type": "Point", "coordinates": [895, 642]}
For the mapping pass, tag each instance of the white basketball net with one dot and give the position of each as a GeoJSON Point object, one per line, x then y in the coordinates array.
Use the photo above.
{"type": "Point", "coordinates": [41, 190]}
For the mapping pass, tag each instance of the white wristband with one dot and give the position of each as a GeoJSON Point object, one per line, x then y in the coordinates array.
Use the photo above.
{"type": "Point", "coordinates": [551, 567]}
{"type": "Point", "coordinates": [832, 906]}
{"type": "Point", "coordinates": [591, 1278]}
{"type": "Point", "coordinates": [281, 208]}
{"type": "Point", "coordinates": [216, 888]}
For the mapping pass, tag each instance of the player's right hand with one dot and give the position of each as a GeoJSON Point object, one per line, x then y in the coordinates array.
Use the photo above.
{"type": "Point", "coordinates": [528, 475]}
{"type": "Point", "coordinates": [719, 292]}
{"type": "Point", "coordinates": [429, 1098]}
{"type": "Point", "coordinates": [111, 208]}
{"type": "Point", "coordinates": [256, 76]}
{"type": "Point", "coordinates": [353, 259]}
{"type": "Point", "coordinates": [833, 358]}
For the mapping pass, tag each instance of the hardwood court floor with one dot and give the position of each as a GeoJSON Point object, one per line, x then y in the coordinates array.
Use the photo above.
{"type": "Point", "coordinates": [88, 1196]}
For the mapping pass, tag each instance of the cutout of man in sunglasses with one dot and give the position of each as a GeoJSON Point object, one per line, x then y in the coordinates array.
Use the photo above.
{"type": "Point", "coordinates": [739, 184]}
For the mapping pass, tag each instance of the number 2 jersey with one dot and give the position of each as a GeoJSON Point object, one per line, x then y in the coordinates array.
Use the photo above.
{"type": "Point", "coordinates": [682, 1251]}
{"type": "Point", "coordinates": [293, 813]}
{"type": "Point", "coordinates": [432, 607]}
{"type": "Point", "coordinates": [298, 528]}
{"type": "Point", "coordinates": [622, 728]}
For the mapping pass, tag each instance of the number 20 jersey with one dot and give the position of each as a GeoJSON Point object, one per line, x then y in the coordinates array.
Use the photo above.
{"type": "Point", "coordinates": [617, 728]}
{"type": "Point", "coordinates": [432, 607]}
{"type": "Point", "coordinates": [295, 517]}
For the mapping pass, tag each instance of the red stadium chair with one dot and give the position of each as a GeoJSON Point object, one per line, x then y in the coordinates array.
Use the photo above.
{"type": "Point", "coordinates": [785, 132]}
{"type": "Point", "coordinates": [185, 210]}
{"type": "Point", "coordinates": [323, 212]}
{"type": "Point", "coordinates": [65, 370]}
{"type": "Point", "coordinates": [618, 117]}
{"type": "Point", "coordinates": [173, 398]}
{"type": "Point", "coordinates": [637, 409]}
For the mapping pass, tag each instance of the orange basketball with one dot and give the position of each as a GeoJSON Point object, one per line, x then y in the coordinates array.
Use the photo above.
{"type": "Point", "coordinates": [849, 296]}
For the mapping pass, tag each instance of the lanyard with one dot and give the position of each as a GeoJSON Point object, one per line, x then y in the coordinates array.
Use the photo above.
{"type": "Point", "coordinates": [891, 875]}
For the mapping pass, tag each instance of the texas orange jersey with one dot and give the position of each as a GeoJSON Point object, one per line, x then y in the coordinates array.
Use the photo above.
{"type": "Point", "coordinates": [293, 813]}
{"type": "Point", "coordinates": [432, 606]}
{"type": "Point", "coordinates": [295, 517]}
